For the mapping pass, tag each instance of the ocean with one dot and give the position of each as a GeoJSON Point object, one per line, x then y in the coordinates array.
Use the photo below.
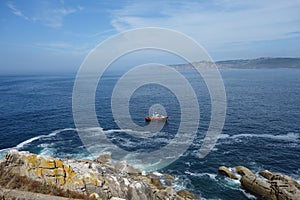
{"type": "Point", "coordinates": [261, 128]}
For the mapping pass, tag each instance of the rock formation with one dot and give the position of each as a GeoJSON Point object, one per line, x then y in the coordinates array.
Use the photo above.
{"type": "Point", "coordinates": [226, 172]}
{"type": "Point", "coordinates": [100, 179]}
{"type": "Point", "coordinates": [270, 186]}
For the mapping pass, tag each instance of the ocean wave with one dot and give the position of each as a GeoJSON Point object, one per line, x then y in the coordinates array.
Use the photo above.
{"type": "Point", "coordinates": [248, 195]}
{"type": "Point", "coordinates": [30, 140]}
{"type": "Point", "coordinates": [211, 176]}
{"type": "Point", "coordinates": [3, 152]}
{"type": "Point", "coordinates": [47, 148]}
{"type": "Point", "coordinates": [46, 151]}
{"type": "Point", "coordinates": [182, 182]}
{"type": "Point", "coordinates": [110, 131]}
{"type": "Point", "coordinates": [54, 133]}
{"type": "Point", "coordinates": [125, 131]}
{"type": "Point", "coordinates": [286, 137]}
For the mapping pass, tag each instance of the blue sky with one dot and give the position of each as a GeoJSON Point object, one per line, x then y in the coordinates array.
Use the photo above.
{"type": "Point", "coordinates": [55, 36]}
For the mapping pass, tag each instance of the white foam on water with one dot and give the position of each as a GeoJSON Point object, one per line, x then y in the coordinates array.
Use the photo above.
{"type": "Point", "coordinates": [223, 136]}
{"type": "Point", "coordinates": [286, 137]}
{"type": "Point", "coordinates": [47, 149]}
{"type": "Point", "coordinates": [248, 195]}
{"type": "Point", "coordinates": [124, 131]}
{"type": "Point", "coordinates": [139, 165]}
{"type": "Point", "coordinates": [54, 133]}
{"type": "Point", "coordinates": [157, 173]}
{"type": "Point", "coordinates": [28, 141]}
{"type": "Point", "coordinates": [231, 184]}
{"type": "Point", "coordinates": [93, 129]}
{"type": "Point", "coordinates": [211, 176]}
{"type": "Point", "coordinates": [289, 137]}
{"type": "Point", "coordinates": [202, 198]}
{"type": "Point", "coordinates": [181, 183]}
{"type": "Point", "coordinates": [233, 170]}
{"type": "Point", "coordinates": [47, 152]}
{"type": "Point", "coordinates": [3, 152]}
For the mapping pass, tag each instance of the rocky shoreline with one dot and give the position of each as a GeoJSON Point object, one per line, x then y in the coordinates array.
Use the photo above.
{"type": "Point", "coordinates": [85, 179]}
{"type": "Point", "coordinates": [266, 185]}
{"type": "Point", "coordinates": [24, 175]}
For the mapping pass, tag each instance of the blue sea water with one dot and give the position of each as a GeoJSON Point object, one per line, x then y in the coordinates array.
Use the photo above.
{"type": "Point", "coordinates": [261, 130]}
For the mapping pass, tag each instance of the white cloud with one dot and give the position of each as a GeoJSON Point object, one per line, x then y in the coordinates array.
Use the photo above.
{"type": "Point", "coordinates": [215, 22]}
{"type": "Point", "coordinates": [45, 12]}
{"type": "Point", "coordinates": [54, 18]}
{"type": "Point", "coordinates": [15, 10]}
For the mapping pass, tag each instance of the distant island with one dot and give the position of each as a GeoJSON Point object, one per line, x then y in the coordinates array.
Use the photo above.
{"type": "Point", "coordinates": [258, 63]}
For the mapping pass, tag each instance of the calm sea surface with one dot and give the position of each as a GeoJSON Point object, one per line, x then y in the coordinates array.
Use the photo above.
{"type": "Point", "coordinates": [262, 127]}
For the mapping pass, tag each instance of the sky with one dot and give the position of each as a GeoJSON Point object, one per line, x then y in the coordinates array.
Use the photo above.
{"type": "Point", "coordinates": [54, 36]}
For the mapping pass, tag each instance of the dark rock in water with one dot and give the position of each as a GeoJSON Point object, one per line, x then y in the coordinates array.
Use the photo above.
{"type": "Point", "coordinates": [99, 179]}
{"type": "Point", "coordinates": [226, 172]}
{"type": "Point", "coordinates": [276, 187]}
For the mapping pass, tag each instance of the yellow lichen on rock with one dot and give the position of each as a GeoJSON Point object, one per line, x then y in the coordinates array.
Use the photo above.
{"type": "Point", "coordinates": [95, 196]}
{"type": "Point", "coordinates": [30, 161]}
{"type": "Point", "coordinates": [105, 180]}
{"type": "Point", "coordinates": [59, 172]}
{"type": "Point", "coordinates": [46, 163]}
{"type": "Point", "coordinates": [48, 172]}
{"type": "Point", "coordinates": [92, 179]}
{"type": "Point", "coordinates": [58, 163]}
{"type": "Point", "coordinates": [38, 172]}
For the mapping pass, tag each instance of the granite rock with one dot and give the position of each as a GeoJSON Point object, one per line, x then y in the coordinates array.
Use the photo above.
{"type": "Point", "coordinates": [100, 179]}
{"type": "Point", "coordinates": [226, 172]}
{"type": "Point", "coordinates": [269, 186]}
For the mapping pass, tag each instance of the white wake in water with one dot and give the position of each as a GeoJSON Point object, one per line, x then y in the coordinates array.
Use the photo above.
{"type": "Point", "coordinates": [54, 133]}
{"type": "Point", "coordinates": [28, 141]}
{"type": "Point", "coordinates": [47, 151]}
{"type": "Point", "coordinates": [286, 137]}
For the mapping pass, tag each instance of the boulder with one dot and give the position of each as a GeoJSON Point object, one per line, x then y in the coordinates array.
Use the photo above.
{"type": "Point", "coordinates": [241, 170]}
{"type": "Point", "coordinates": [280, 177]}
{"type": "Point", "coordinates": [123, 168]}
{"type": "Point", "coordinates": [284, 178]}
{"type": "Point", "coordinates": [226, 172]}
{"type": "Point", "coordinates": [104, 158]}
{"type": "Point", "coordinates": [168, 179]}
{"type": "Point", "coordinates": [155, 180]}
{"type": "Point", "coordinates": [276, 187]}
{"type": "Point", "coordinates": [257, 187]}
{"type": "Point", "coordinates": [266, 174]}
{"type": "Point", "coordinates": [186, 194]}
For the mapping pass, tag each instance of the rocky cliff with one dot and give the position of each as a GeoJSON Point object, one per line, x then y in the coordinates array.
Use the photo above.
{"type": "Point", "coordinates": [98, 179]}
{"type": "Point", "coordinates": [266, 185]}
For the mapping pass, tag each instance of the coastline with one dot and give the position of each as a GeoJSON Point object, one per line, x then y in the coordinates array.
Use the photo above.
{"type": "Point", "coordinates": [97, 179]}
